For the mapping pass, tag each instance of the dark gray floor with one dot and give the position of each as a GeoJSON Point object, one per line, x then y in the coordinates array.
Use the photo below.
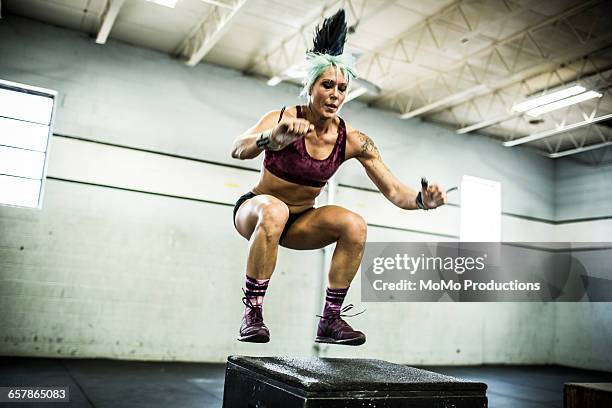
{"type": "Point", "coordinates": [524, 386]}
{"type": "Point", "coordinates": [118, 384]}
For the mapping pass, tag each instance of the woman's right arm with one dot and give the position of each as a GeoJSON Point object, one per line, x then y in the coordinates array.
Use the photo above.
{"type": "Point", "coordinates": [245, 146]}
{"type": "Point", "coordinates": [276, 136]}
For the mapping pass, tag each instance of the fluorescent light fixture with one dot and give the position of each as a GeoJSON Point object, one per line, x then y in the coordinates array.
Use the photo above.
{"type": "Point", "coordinates": [275, 80]}
{"type": "Point", "coordinates": [299, 71]}
{"type": "Point", "coordinates": [217, 3]}
{"type": "Point", "coordinates": [545, 99]}
{"type": "Point", "coordinates": [360, 86]}
{"type": "Point", "coordinates": [579, 150]}
{"type": "Point", "coordinates": [444, 101]}
{"type": "Point", "coordinates": [556, 131]}
{"type": "Point", "coordinates": [485, 123]}
{"type": "Point", "coordinates": [355, 93]}
{"type": "Point", "coordinates": [167, 3]}
{"type": "Point", "coordinates": [563, 103]}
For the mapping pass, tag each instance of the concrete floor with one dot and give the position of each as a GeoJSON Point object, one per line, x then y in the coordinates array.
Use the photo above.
{"type": "Point", "coordinates": [118, 384]}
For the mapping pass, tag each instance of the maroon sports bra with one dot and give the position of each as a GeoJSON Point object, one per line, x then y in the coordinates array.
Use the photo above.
{"type": "Point", "coordinates": [294, 164]}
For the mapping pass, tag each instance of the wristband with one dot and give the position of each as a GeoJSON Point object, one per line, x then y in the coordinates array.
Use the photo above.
{"type": "Point", "coordinates": [264, 139]}
{"type": "Point", "coordinates": [262, 142]}
{"type": "Point", "coordinates": [419, 202]}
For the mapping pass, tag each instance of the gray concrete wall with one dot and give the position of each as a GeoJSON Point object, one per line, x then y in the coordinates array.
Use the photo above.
{"type": "Point", "coordinates": [582, 191]}
{"type": "Point", "coordinates": [113, 273]}
{"type": "Point", "coordinates": [583, 330]}
{"type": "Point", "coordinates": [101, 272]}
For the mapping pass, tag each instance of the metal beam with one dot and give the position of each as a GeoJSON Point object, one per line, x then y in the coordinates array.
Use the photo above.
{"type": "Point", "coordinates": [406, 46]}
{"type": "Point", "coordinates": [579, 150]}
{"type": "Point", "coordinates": [477, 91]}
{"type": "Point", "coordinates": [284, 56]}
{"type": "Point", "coordinates": [594, 81]}
{"type": "Point", "coordinates": [486, 123]}
{"type": "Point", "coordinates": [416, 32]}
{"type": "Point", "coordinates": [217, 3]}
{"type": "Point", "coordinates": [553, 132]}
{"type": "Point", "coordinates": [445, 101]}
{"type": "Point", "coordinates": [289, 52]}
{"type": "Point", "coordinates": [108, 19]}
{"type": "Point", "coordinates": [488, 53]}
{"type": "Point", "coordinates": [208, 31]}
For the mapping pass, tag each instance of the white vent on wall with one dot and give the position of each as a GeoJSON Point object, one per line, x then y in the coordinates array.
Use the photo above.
{"type": "Point", "coordinates": [480, 210]}
{"type": "Point", "coordinates": [26, 125]}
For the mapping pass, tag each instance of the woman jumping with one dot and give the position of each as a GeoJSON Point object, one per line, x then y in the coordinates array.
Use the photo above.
{"type": "Point", "coordinates": [303, 147]}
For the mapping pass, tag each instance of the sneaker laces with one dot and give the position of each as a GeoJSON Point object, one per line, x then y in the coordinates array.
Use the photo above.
{"type": "Point", "coordinates": [255, 311]}
{"type": "Point", "coordinates": [247, 302]}
{"type": "Point", "coordinates": [336, 324]}
{"type": "Point", "coordinates": [339, 314]}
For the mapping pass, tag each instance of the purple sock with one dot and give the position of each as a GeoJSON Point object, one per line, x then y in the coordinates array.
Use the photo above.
{"type": "Point", "coordinates": [333, 301]}
{"type": "Point", "coordinates": [256, 290]}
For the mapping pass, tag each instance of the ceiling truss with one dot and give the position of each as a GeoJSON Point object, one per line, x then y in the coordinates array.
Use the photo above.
{"type": "Point", "coordinates": [208, 31]}
{"type": "Point", "coordinates": [584, 71]}
{"type": "Point", "coordinates": [109, 15]}
{"type": "Point", "coordinates": [466, 63]}
{"type": "Point", "coordinates": [290, 50]}
{"type": "Point", "coordinates": [480, 68]}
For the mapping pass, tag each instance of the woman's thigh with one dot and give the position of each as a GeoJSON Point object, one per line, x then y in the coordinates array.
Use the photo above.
{"type": "Point", "coordinates": [251, 210]}
{"type": "Point", "coordinates": [320, 227]}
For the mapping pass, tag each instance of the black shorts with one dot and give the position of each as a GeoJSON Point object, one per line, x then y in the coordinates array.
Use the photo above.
{"type": "Point", "coordinates": [290, 221]}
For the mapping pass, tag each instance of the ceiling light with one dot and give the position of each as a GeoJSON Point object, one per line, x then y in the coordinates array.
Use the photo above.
{"type": "Point", "coordinates": [557, 131]}
{"type": "Point", "coordinates": [548, 98]}
{"type": "Point", "coordinates": [355, 93]}
{"type": "Point", "coordinates": [579, 150]}
{"type": "Point", "coordinates": [563, 103]}
{"type": "Point", "coordinates": [167, 3]}
{"type": "Point", "coordinates": [275, 80]}
{"type": "Point", "coordinates": [297, 71]}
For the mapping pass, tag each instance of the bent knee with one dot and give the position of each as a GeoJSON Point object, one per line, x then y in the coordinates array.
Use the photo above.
{"type": "Point", "coordinates": [272, 216]}
{"type": "Point", "coordinates": [354, 227]}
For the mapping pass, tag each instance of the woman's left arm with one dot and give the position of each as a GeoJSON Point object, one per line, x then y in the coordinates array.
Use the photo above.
{"type": "Point", "coordinates": [363, 148]}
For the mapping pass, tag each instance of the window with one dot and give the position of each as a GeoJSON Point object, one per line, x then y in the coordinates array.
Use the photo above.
{"type": "Point", "coordinates": [26, 125]}
{"type": "Point", "coordinates": [480, 210]}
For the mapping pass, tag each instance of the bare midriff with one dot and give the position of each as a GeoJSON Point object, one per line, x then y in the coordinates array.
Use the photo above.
{"type": "Point", "coordinates": [297, 197]}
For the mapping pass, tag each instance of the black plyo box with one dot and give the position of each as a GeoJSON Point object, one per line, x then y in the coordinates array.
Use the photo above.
{"type": "Point", "coordinates": [587, 395]}
{"type": "Point", "coordinates": [310, 382]}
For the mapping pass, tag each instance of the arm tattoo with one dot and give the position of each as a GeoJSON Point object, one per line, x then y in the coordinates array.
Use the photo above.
{"type": "Point", "coordinates": [368, 146]}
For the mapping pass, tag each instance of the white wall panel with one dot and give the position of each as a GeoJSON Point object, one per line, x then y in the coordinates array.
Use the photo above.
{"type": "Point", "coordinates": [516, 229]}
{"type": "Point", "coordinates": [131, 169]}
{"type": "Point", "coordinates": [585, 231]}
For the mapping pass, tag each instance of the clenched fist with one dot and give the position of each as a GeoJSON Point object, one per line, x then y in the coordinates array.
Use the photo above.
{"type": "Point", "coordinates": [288, 130]}
{"type": "Point", "coordinates": [432, 196]}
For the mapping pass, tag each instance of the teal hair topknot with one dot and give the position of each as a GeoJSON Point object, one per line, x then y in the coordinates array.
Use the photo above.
{"type": "Point", "coordinates": [318, 63]}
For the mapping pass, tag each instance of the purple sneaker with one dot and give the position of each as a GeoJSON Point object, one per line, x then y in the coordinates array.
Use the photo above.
{"type": "Point", "coordinates": [253, 328]}
{"type": "Point", "coordinates": [334, 330]}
